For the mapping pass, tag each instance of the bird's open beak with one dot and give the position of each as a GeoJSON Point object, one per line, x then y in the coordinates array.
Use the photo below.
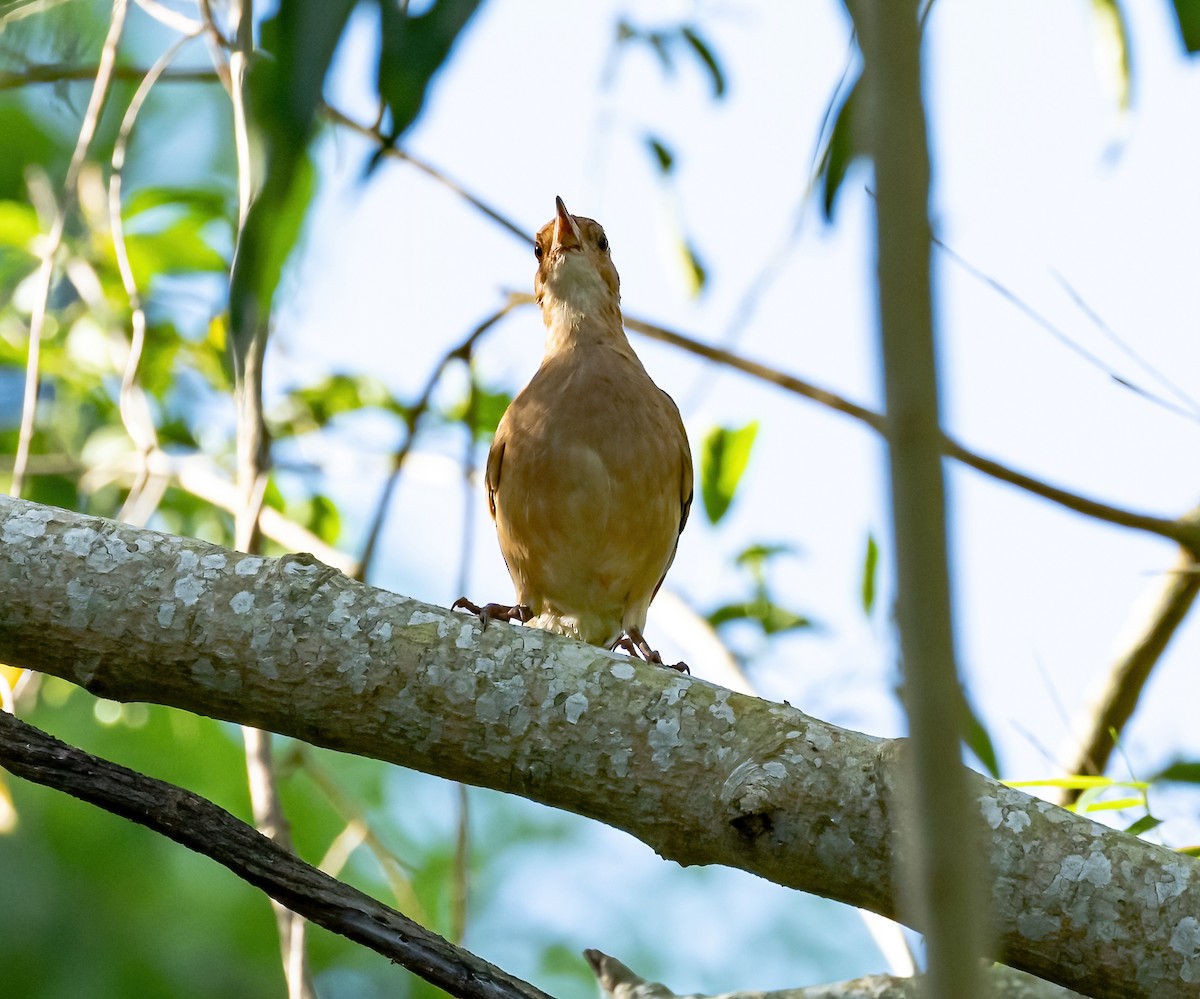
{"type": "Point", "coordinates": [566, 229]}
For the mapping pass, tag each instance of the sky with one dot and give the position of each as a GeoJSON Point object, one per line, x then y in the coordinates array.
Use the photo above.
{"type": "Point", "coordinates": [1041, 181]}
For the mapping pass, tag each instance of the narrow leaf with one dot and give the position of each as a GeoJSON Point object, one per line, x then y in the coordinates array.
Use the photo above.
{"type": "Point", "coordinates": [839, 152]}
{"type": "Point", "coordinates": [870, 566]}
{"type": "Point", "coordinates": [1187, 16]}
{"type": "Point", "coordinates": [412, 50]}
{"type": "Point", "coordinates": [1143, 825]}
{"type": "Point", "coordinates": [705, 53]}
{"type": "Point", "coordinates": [662, 155]}
{"type": "Point", "coordinates": [1182, 771]}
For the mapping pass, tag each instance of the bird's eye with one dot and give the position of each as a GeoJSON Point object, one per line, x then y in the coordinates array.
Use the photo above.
{"type": "Point", "coordinates": [602, 242]}
{"type": "Point", "coordinates": [537, 250]}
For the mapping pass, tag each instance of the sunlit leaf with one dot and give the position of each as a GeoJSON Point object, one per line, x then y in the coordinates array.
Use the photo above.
{"type": "Point", "coordinates": [1116, 804]}
{"type": "Point", "coordinates": [205, 202]}
{"type": "Point", "coordinates": [702, 49]}
{"type": "Point", "coordinates": [723, 458]}
{"type": "Point", "coordinates": [179, 248]}
{"type": "Point", "coordinates": [754, 556]}
{"type": "Point", "coordinates": [18, 224]}
{"type": "Point", "coordinates": [1187, 17]}
{"type": "Point", "coordinates": [697, 274]}
{"type": "Point", "coordinates": [870, 568]}
{"type": "Point", "coordinates": [1112, 50]}
{"type": "Point", "coordinates": [1079, 782]}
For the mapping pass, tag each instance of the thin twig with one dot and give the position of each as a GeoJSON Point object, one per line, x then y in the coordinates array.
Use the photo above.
{"type": "Point", "coordinates": [412, 418]}
{"type": "Point", "coordinates": [1078, 349]}
{"type": "Point", "coordinates": [348, 810]}
{"type": "Point", "coordinates": [1184, 531]}
{"type": "Point", "coordinates": [54, 73]}
{"type": "Point", "coordinates": [209, 830]}
{"type": "Point", "coordinates": [1191, 406]}
{"type": "Point", "coordinates": [521, 232]}
{"type": "Point", "coordinates": [134, 408]}
{"type": "Point", "coordinates": [37, 320]}
{"type": "Point", "coordinates": [171, 18]}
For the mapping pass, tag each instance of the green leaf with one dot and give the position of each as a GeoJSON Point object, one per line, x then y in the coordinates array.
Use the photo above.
{"type": "Point", "coordinates": [283, 94]}
{"type": "Point", "coordinates": [1112, 49]}
{"type": "Point", "coordinates": [1143, 825]}
{"type": "Point", "coordinates": [979, 742]}
{"type": "Point", "coordinates": [18, 224]}
{"type": "Point", "coordinates": [178, 248]}
{"type": "Point", "coordinates": [723, 458]}
{"type": "Point", "coordinates": [1182, 771]}
{"type": "Point", "coordinates": [697, 274]}
{"type": "Point", "coordinates": [205, 202]}
{"type": "Point", "coordinates": [870, 568]}
{"type": "Point", "coordinates": [662, 155]}
{"type": "Point", "coordinates": [755, 556]}
{"type": "Point", "coordinates": [769, 616]}
{"type": "Point", "coordinates": [702, 49]}
{"type": "Point", "coordinates": [839, 152]}
{"type": "Point", "coordinates": [312, 407]}
{"type": "Point", "coordinates": [412, 50]}
{"type": "Point", "coordinates": [1190, 851]}
{"type": "Point", "coordinates": [1187, 17]}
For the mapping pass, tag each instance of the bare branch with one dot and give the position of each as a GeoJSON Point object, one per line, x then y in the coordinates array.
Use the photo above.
{"type": "Point", "coordinates": [209, 830]}
{"type": "Point", "coordinates": [461, 352]}
{"type": "Point", "coordinates": [1128, 676]}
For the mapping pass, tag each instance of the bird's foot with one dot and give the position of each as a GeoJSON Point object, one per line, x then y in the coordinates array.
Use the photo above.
{"type": "Point", "coordinates": [494, 612]}
{"type": "Point", "coordinates": [635, 644]}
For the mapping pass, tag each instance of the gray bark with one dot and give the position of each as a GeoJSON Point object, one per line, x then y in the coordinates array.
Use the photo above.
{"type": "Point", "coordinates": [701, 774]}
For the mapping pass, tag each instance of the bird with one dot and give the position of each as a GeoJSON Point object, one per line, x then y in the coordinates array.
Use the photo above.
{"type": "Point", "coordinates": [589, 477]}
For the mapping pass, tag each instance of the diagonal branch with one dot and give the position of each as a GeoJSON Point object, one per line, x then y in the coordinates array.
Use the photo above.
{"type": "Point", "coordinates": [1129, 674]}
{"type": "Point", "coordinates": [204, 827]}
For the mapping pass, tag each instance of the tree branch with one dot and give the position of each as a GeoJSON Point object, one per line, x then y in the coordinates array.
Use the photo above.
{"type": "Point", "coordinates": [1128, 676]}
{"type": "Point", "coordinates": [619, 982]}
{"type": "Point", "coordinates": [942, 875]}
{"type": "Point", "coordinates": [701, 774]}
{"type": "Point", "coordinates": [198, 824]}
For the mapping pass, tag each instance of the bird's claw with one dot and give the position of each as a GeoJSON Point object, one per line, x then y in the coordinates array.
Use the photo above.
{"type": "Point", "coordinates": [636, 645]}
{"type": "Point", "coordinates": [494, 612]}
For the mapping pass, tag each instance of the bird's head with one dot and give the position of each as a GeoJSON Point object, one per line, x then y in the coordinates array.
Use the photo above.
{"type": "Point", "coordinates": [574, 266]}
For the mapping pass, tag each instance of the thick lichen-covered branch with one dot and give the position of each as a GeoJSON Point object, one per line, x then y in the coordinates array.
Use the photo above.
{"type": "Point", "coordinates": [701, 774]}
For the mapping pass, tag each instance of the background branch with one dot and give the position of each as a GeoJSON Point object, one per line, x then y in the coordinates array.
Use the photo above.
{"type": "Point", "coordinates": [619, 982]}
{"type": "Point", "coordinates": [209, 830]}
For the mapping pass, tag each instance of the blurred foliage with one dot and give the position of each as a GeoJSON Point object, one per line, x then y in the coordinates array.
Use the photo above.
{"type": "Point", "coordinates": [1187, 17]}
{"type": "Point", "coordinates": [724, 455]}
{"type": "Point", "coordinates": [761, 609]}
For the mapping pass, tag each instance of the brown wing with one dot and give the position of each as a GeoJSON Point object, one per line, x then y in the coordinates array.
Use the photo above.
{"type": "Point", "coordinates": [491, 476]}
{"type": "Point", "coordinates": [686, 489]}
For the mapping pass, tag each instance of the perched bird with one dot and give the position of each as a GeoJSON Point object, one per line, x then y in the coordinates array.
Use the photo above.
{"type": "Point", "coordinates": [589, 478]}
